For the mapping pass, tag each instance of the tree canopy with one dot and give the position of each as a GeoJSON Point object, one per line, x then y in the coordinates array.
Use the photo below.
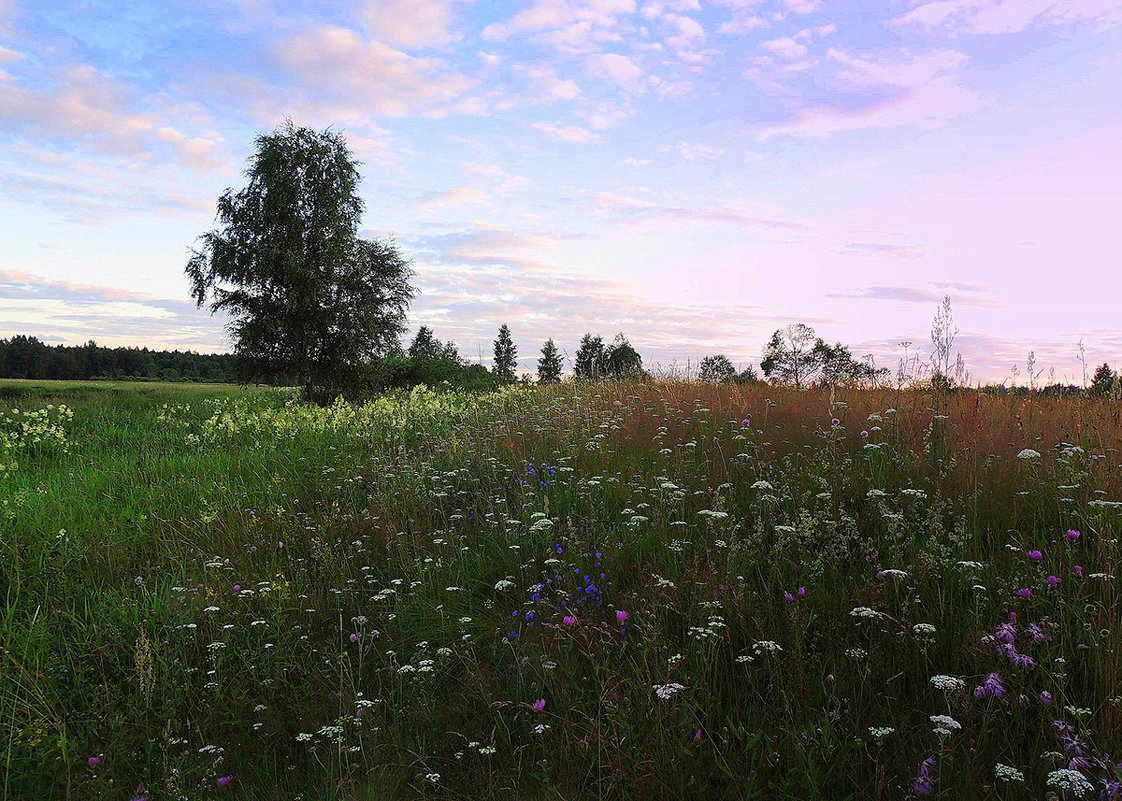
{"type": "Point", "coordinates": [716, 370]}
{"type": "Point", "coordinates": [304, 294]}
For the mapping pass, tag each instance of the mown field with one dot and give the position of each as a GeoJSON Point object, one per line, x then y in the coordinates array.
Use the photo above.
{"type": "Point", "coordinates": [619, 591]}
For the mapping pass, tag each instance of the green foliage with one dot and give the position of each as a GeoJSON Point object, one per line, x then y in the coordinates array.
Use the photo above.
{"type": "Point", "coordinates": [595, 360]}
{"type": "Point", "coordinates": [1104, 380]}
{"type": "Point", "coordinates": [795, 356]}
{"type": "Point", "coordinates": [716, 370]}
{"type": "Point", "coordinates": [27, 358]}
{"type": "Point", "coordinates": [839, 368]}
{"type": "Point", "coordinates": [549, 364]}
{"type": "Point", "coordinates": [425, 346]}
{"type": "Point", "coordinates": [366, 600]}
{"type": "Point", "coordinates": [505, 355]}
{"type": "Point", "coordinates": [304, 295]}
{"type": "Point", "coordinates": [406, 372]}
{"type": "Point", "coordinates": [792, 356]}
{"type": "Point", "coordinates": [591, 359]}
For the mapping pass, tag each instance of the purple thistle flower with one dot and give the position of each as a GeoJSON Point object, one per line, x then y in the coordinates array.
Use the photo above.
{"type": "Point", "coordinates": [1035, 556]}
{"type": "Point", "coordinates": [1079, 570]}
{"type": "Point", "coordinates": [991, 687]}
{"type": "Point", "coordinates": [1038, 634]}
{"type": "Point", "coordinates": [539, 705]}
{"type": "Point", "coordinates": [237, 588]}
{"type": "Point", "coordinates": [222, 781]}
{"type": "Point", "coordinates": [747, 421]}
{"type": "Point", "coordinates": [1073, 535]}
{"type": "Point", "coordinates": [569, 620]}
{"type": "Point", "coordinates": [924, 784]}
{"type": "Point", "coordinates": [697, 736]}
{"type": "Point", "coordinates": [354, 638]}
{"type": "Point", "coordinates": [1024, 592]}
{"type": "Point", "coordinates": [802, 592]}
{"type": "Point", "coordinates": [94, 760]}
{"type": "Point", "coordinates": [621, 616]}
{"type": "Point", "coordinates": [1053, 580]}
{"type": "Point", "coordinates": [788, 596]}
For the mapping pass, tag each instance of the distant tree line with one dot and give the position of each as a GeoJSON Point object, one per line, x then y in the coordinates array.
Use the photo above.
{"type": "Point", "coordinates": [28, 357]}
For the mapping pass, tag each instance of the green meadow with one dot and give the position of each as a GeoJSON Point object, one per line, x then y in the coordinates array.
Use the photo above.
{"type": "Point", "coordinates": [618, 590]}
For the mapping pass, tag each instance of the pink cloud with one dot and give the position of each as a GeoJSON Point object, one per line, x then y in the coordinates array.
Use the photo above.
{"type": "Point", "coordinates": [20, 284]}
{"type": "Point", "coordinates": [88, 107]}
{"type": "Point", "coordinates": [350, 78]}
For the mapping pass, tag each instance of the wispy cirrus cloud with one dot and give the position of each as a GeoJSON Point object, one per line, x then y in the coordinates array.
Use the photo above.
{"type": "Point", "coordinates": [961, 294]}
{"type": "Point", "coordinates": [1009, 16]}
{"type": "Point", "coordinates": [24, 285]}
{"type": "Point", "coordinates": [630, 210]}
{"type": "Point", "coordinates": [885, 250]}
{"type": "Point", "coordinates": [561, 132]}
{"type": "Point", "coordinates": [884, 91]}
{"type": "Point", "coordinates": [74, 312]}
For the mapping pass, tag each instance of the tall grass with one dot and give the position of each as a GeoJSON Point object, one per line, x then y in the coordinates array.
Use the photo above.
{"type": "Point", "coordinates": [731, 592]}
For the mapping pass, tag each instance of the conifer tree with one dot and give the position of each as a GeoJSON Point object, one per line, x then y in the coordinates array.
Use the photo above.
{"type": "Point", "coordinates": [505, 353]}
{"type": "Point", "coordinates": [549, 365]}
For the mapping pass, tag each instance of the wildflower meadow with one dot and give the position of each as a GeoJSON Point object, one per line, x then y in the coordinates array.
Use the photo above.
{"type": "Point", "coordinates": [616, 590]}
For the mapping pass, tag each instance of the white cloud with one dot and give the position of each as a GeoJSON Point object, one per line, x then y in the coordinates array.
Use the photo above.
{"type": "Point", "coordinates": [692, 152]}
{"type": "Point", "coordinates": [621, 70]}
{"type": "Point", "coordinates": [688, 31]}
{"type": "Point", "coordinates": [549, 87]}
{"type": "Point", "coordinates": [87, 107]}
{"type": "Point", "coordinates": [349, 78]}
{"type": "Point", "coordinates": [742, 24]}
{"type": "Point", "coordinates": [564, 133]}
{"type": "Point", "coordinates": [603, 116]}
{"type": "Point", "coordinates": [802, 6]}
{"type": "Point", "coordinates": [408, 23]}
{"type": "Point", "coordinates": [785, 47]}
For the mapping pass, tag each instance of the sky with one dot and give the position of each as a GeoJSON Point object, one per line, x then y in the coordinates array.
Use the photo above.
{"type": "Point", "coordinates": [692, 173]}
